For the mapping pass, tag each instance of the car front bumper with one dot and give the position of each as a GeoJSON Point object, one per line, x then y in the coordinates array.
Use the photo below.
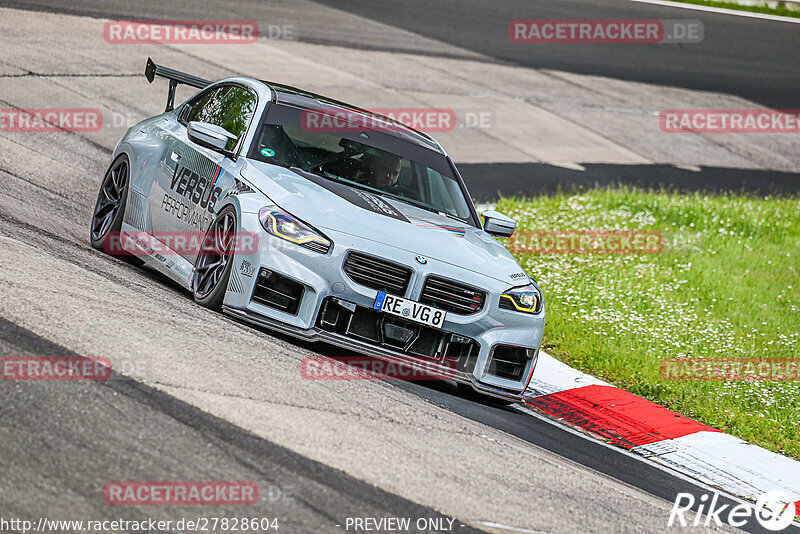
{"type": "Point", "coordinates": [324, 280]}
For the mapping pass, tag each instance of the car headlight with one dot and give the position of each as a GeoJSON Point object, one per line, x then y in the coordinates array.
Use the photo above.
{"type": "Point", "coordinates": [526, 299]}
{"type": "Point", "coordinates": [281, 224]}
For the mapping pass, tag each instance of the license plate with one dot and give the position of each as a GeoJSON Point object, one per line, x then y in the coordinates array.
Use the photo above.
{"type": "Point", "coordinates": [409, 309]}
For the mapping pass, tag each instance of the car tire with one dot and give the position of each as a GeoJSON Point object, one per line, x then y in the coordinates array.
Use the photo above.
{"type": "Point", "coordinates": [109, 209]}
{"type": "Point", "coordinates": [213, 269]}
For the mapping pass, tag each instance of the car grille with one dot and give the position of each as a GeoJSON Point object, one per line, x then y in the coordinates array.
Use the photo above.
{"type": "Point", "coordinates": [452, 296]}
{"type": "Point", "coordinates": [377, 273]}
{"type": "Point", "coordinates": [381, 330]}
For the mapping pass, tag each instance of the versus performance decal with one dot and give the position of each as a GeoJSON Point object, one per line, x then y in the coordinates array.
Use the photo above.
{"type": "Point", "coordinates": [196, 188]}
{"type": "Point", "coordinates": [199, 193]}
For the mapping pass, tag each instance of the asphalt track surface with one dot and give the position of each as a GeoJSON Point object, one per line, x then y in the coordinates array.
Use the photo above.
{"type": "Point", "coordinates": [483, 183]}
{"type": "Point", "coordinates": [123, 429]}
{"type": "Point", "coordinates": [755, 59]}
{"type": "Point", "coordinates": [765, 51]}
{"type": "Point", "coordinates": [751, 58]}
{"type": "Point", "coordinates": [49, 453]}
{"type": "Point", "coordinates": [61, 442]}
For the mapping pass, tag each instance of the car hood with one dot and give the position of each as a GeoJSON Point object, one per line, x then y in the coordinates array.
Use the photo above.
{"type": "Point", "coordinates": [328, 205]}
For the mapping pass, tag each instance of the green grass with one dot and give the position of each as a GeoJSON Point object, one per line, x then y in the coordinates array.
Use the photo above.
{"type": "Point", "coordinates": [726, 285]}
{"type": "Point", "coordinates": [782, 11]}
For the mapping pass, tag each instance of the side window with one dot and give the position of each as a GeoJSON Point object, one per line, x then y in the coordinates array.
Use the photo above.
{"type": "Point", "coordinates": [196, 105]}
{"type": "Point", "coordinates": [229, 106]}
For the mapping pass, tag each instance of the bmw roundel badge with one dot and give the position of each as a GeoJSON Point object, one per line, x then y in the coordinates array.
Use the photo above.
{"type": "Point", "coordinates": [421, 260]}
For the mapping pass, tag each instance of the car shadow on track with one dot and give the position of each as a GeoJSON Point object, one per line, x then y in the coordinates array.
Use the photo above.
{"type": "Point", "coordinates": [431, 388]}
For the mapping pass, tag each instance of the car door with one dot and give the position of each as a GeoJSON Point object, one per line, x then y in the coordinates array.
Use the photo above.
{"type": "Point", "coordinates": [195, 177]}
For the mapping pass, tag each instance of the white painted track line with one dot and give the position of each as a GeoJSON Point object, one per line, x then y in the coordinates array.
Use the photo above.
{"type": "Point", "coordinates": [717, 459]}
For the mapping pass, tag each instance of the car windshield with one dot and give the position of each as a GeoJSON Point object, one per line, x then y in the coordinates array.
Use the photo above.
{"type": "Point", "coordinates": [360, 157]}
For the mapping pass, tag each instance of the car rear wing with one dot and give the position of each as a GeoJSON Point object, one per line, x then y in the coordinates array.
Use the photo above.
{"type": "Point", "coordinates": [175, 77]}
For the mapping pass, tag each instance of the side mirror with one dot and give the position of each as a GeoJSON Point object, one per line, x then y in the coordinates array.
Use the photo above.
{"type": "Point", "coordinates": [497, 224]}
{"type": "Point", "coordinates": [211, 136]}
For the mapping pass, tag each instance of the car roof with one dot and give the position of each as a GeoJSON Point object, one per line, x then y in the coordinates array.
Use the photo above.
{"type": "Point", "coordinates": [292, 96]}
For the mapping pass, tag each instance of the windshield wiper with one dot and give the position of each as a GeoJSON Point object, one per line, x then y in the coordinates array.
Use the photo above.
{"type": "Point", "coordinates": [363, 187]}
{"type": "Point", "coordinates": [456, 217]}
{"type": "Point", "coordinates": [334, 178]}
{"type": "Point", "coordinates": [414, 203]}
{"type": "Point", "coordinates": [295, 168]}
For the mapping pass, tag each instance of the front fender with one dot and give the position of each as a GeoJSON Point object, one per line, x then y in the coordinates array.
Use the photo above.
{"type": "Point", "coordinates": [242, 202]}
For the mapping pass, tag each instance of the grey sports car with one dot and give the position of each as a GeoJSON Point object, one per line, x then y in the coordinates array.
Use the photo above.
{"type": "Point", "coordinates": [357, 231]}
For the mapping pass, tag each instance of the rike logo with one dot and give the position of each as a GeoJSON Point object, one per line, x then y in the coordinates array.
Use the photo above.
{"type": "Point", "coordinates": [774, 510]}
